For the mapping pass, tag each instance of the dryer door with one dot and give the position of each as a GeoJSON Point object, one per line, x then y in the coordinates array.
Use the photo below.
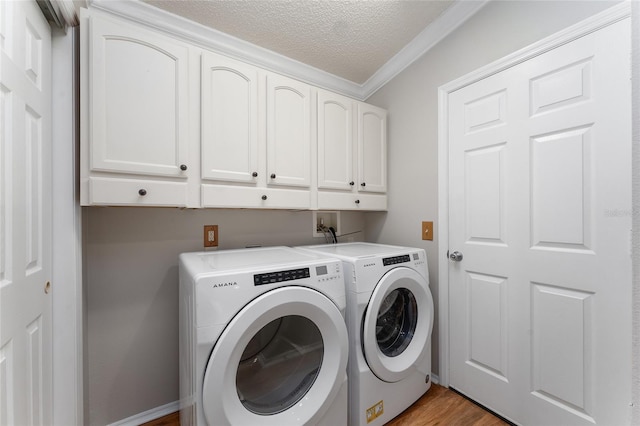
{"type": "Point", "coordinates": [280, 361]}
{"type": "Point", "coordinates": [397, 324]}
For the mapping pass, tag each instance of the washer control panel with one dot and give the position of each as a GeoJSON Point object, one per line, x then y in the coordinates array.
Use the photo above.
{"type": "Point", "coordinates": [395, 260]}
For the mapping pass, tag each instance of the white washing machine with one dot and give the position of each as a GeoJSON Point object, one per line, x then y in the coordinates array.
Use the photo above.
{"type": "Point", "coordinates": [262, 338]}
{"type": "Point", "coordinates": [389, 320]}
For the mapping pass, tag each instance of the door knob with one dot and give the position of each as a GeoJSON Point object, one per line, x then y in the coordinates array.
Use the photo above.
{"type": "Point", "coordinates": [456, 256]}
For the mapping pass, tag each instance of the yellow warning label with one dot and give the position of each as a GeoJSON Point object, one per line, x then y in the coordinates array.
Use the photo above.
{"type": "Point", "coordinates": [375, 412]}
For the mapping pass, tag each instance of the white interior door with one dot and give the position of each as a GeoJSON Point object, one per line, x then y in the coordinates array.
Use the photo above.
{"type": "Point", "coordinates": [25, 216]}
{"type": "Point", "coordinates": [540, 209]}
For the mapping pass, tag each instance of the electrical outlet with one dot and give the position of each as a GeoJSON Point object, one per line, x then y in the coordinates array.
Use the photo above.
{"type": "Point", "coordinates": [427, 231]}
{"type": "Point", "coordinates": [211, 235]}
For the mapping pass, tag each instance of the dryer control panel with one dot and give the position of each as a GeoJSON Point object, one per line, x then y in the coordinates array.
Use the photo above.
{"type": "Point", "coordinates": [280, 276]}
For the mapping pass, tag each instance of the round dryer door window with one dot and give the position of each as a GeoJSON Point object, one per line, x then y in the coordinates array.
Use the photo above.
{"type": "Point", "coordinates": [397, 324]}
{"type": "Point", "coordinates": [279, 365]}
{"type": "Point", "coordinates": [281, 360]}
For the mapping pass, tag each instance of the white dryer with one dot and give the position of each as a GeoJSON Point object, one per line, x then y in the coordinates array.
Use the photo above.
{"type": "Point", "coordinates": [389, 320]}
{"type": "Point", "coordinates": [262, 338]}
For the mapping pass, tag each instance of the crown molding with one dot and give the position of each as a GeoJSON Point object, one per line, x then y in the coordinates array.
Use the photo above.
{"type": "Point", "coordinates": [446, 23]}
{"type": "Point", "coordinates": [211, 39]}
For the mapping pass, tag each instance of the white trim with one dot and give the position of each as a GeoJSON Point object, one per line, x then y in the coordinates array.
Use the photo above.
{"type": "Point", "coordinates": [208, 38]}
{"type": "Point", "coordinates": [435, 379]}
{"type": "Point", "coordinates": [589, 25]}
{"type": "Point", "coordinates": [443, 232]}
{"type": "Point", "coordinates": [449, 21]}
{"type": "Point", "coordinates": [147, 416]}
{"type": "Point", "coordinates": [219, 42]}
{"type": "Point", "coordinates": [68, 388]}
{"type": "Point", "coordinates": [581, 29]}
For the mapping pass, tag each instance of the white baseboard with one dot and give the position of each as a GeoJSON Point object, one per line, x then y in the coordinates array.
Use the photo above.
{"type": "Point", "coordinates": [435, 379]}
{"type": "Point", "coordinates": [148, 415]}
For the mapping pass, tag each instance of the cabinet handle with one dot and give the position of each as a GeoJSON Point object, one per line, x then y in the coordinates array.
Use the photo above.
{"type": "Point", "coordinates": [363, 184]}
{"type": "Point", "coordinates": [264, 197]}
{"type": "Point", "coordinates": [254, 174]}
{"type": "Point", "coordinates": [357, 201]}
{"type": "Point", "coordinates": [142, 192]}
{"type": "Point", "coordinates": [352, 183]}
{"type": "Point", "coordinates": [273, 175]}
{"type": "Point", "coordinates": [183, 167]}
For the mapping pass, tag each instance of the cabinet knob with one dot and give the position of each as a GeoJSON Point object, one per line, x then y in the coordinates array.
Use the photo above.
{"type": "Point", "coordinates": [254, 174]}
{"type": "Point", "coordinates": [273, 175]}
{"type": "Point", "coordinates": [183, 167]}
{"type": "Point", "coordinates": [142, 192]}
{"type": "Point", "coordinates": [264, 197]}
{"type": "Point", "coordinates": [357, 201]}
{"type": "Point", "coordinates": [352, 183]}
{"type": "Point", "coordinates": [363, 184]}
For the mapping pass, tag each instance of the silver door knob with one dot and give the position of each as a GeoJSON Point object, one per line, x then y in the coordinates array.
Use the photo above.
{"type": "Point", "coordinates": [456, 256]}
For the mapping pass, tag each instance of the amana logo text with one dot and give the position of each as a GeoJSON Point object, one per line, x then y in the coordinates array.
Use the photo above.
{"type": "Point", "coordinates": [229, 284]}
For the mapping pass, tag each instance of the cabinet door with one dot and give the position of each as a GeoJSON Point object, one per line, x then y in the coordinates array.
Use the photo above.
{"type": "Point", "coordinates": [138, 100]}
{"type": "Point", "coordinates": [229, 120]}
{"type": "Point", "coordinates": [288, 132]}
{"type": "Point", "coordinates": [372, 148]}
{"type": "Point", "coordinates": [335, 141]}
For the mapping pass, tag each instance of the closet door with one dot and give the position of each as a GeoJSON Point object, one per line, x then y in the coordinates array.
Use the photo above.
{"type": "Point", "coordinates": [539, 211]}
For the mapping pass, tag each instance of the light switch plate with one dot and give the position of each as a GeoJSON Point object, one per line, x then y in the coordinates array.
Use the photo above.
{"type": "Point", "coordinates": [427, 231]}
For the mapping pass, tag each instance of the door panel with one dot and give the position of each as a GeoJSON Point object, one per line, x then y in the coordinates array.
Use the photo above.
{"type": "Point", "coordinates": [25, 216]}
{"type": "Point", "coordinates": [487, 307]}
{"type": "Point", "coordinates": [540, 203]}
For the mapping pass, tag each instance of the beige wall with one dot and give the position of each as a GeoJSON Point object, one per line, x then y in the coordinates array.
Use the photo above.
{"type": "Point", "coordinates": [131, 288]}
{"type": "Point", "coordinates": [411, 98]}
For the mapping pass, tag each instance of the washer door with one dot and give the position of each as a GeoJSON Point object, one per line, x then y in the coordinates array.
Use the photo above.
{"type": "Point", "coordinates": [280, 361]}
{"type": "Point", "coordinates": [397, 324]}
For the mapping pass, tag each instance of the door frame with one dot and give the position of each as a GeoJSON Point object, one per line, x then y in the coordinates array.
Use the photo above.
{"type": "Point", "coordinates": [67, 288]}
{"type": "Point", "coordinates": [609, 16]}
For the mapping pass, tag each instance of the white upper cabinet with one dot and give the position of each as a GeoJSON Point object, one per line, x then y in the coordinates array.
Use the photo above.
{"type": "Point", "coordinates": [288, 132]}
{"type": "Point", "coordinates": [167, 123]}
{"type": "Point", "coordinates": [134, 108]}
{"type": "Point", "coordinates": [372, 149]}
{"type": "Point", "coordinates": [351, 162]}
{"type": "Point", "coordinates": [229, 145]}
{"type": "Point", "coordinates": [138, 100]}
{"type": "Point", "coordinates": [256, 137]}
{"type": "Point", "coordinates": [335, 142]}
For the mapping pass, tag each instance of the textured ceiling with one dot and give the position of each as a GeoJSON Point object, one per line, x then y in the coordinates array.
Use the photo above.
{"type": "Point", "coordinates": [351, 39]}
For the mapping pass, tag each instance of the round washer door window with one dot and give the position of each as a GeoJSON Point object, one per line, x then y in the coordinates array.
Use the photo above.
{"type": "Point", "coordinates": [397, 324]}
{"type": "Point", "coordinates": [281, 360]}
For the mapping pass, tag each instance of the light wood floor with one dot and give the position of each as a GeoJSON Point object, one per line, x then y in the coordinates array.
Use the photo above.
{"type": "Point", "coordinates": [439, 406]}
